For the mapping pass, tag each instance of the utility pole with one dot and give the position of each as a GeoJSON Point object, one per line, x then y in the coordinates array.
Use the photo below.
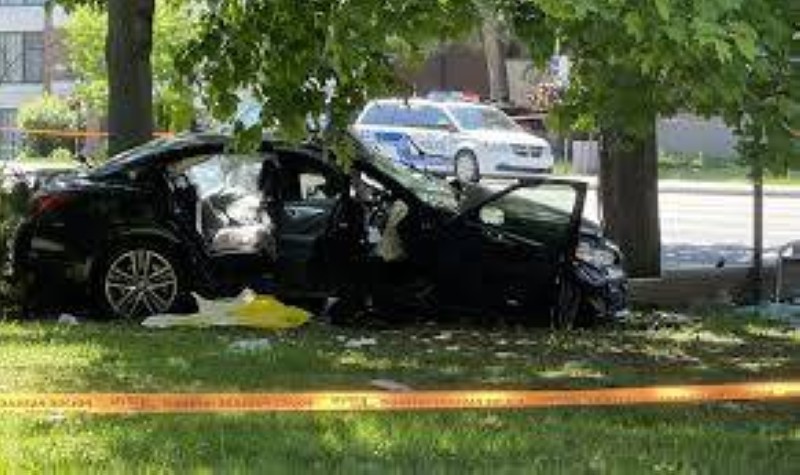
{"type": "Point", "coordinates": [757, 270]}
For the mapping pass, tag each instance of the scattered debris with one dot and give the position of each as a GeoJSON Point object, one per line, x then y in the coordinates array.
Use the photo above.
{"type": "Point", "coordinates": [673, 319]}
{"type": "Point", "coordinates": [390, 385]}
{"type": "Point", "coordinates": [360, 343]}
{"type": "Point", "coordinates": [56, 417]}
{"type": "Point", "coordinates": [68, 319]}
{"type": "Point", "coordinates": [656, 320]}
{"type": "Point", "coordinates": [444, 336]}
{"type": "Point", "coordinates": [250, 345]}
{"type": "Point", "coordinates": [491, 422]}
{"type": "Point", "coordinates": [505, 354]}
{"type": "Point", "coordinates": [452, 348]}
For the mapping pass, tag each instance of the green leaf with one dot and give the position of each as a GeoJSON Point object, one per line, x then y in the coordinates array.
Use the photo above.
{"type": "Point", "coordinates": [663, 8]}
{"type": "Point", "coordinates": [634, 25]}
{"type": "Point", "coordinates": [745, 38]}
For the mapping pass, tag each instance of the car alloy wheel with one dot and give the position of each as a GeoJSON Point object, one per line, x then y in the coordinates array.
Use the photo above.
{"type": "Point", "coordinates": [467, 167]}
{"type": "Point", "coordinates": [140, 282]}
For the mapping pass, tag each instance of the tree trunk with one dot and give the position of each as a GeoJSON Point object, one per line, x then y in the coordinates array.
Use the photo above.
{"type": "Point", "coordinates": [629, 197]}
{"type": "Point", "coordinates": [130, 77]}
{"type": "Point", "coordinates": [494, 51]}
{"type": "Point", "coordinates": [48, 41]}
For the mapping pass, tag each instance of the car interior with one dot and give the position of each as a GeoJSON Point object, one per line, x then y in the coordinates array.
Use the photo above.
{"type": "Point", "coordinates": [218, 194]}
{"type": "Point", "coordinates": [218, 197]}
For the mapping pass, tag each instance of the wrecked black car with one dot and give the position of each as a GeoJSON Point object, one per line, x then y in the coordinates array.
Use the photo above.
{"type": "Point", "coordinates": [180, 215]}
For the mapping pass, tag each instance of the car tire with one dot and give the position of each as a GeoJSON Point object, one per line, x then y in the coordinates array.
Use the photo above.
{"type": "Point", "coordinates": [576, 309]}
{"type": "Point", "coordinates": [571, 309]}
{"type": "Point", "coordinates": [466, 167]}
{"type": "Point", "coordinates": [139, 279]}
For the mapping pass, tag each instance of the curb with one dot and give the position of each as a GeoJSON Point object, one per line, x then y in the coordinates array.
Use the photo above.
{"type": "Point", "coordinates": [705, 188]}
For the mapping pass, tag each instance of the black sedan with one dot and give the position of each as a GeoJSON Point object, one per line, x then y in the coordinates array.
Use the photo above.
{"type": "Point", "coordinates": [179, 215]}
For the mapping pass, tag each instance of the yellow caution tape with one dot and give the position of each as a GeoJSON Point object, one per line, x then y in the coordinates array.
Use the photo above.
{"type": "Point", "coordinates": [357, 401]}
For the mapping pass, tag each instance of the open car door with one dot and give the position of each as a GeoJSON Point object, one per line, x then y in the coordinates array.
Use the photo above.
{"type": "Point", "coordinates": [507, 250]}
{"type": "Point", "coordinates": [311, 195]}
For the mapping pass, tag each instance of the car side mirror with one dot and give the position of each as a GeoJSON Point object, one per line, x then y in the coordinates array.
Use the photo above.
{"type": "Point", "coordinates": [492, 216]}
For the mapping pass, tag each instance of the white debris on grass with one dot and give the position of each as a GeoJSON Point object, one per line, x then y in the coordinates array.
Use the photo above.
{"type": "Point", "coordinates": [56, 417]}
{"type": "Point", "coordinates": [390, 385]}
{"type": "Point", "coordinates": [360, 342]}
{"type": "Point", "coordinates": [68, 319]}
{"type": "Point", "coordinates": [444, 336]}
{"type": "Point", "coordinates": [250, 345]}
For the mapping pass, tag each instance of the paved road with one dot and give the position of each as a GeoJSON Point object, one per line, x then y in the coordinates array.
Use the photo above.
{"type": "Point", "coordinates": [697, 229]}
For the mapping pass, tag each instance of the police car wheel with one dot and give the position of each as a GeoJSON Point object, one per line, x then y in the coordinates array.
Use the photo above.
{"type": "Point", "coordinates": [466, 167]}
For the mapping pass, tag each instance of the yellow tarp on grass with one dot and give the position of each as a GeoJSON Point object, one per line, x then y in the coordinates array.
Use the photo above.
{"type": "Point", "coordinates": [247, 310]}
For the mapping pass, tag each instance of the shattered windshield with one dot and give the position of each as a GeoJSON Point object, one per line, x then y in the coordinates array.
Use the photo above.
{"type": "Point", "coordinates": [429, 189]}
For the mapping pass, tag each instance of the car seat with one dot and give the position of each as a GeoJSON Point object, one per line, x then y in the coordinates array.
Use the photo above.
{"type": "Point", "coordinates": [223, 235]}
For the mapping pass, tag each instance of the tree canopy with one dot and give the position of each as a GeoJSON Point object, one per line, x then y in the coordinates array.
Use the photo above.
{"type": "Point", "coordinates": [635, 58]}
{"type": "Point", "coordinates": [284, 52]}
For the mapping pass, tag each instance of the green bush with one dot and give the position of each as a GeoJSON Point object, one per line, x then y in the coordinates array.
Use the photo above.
{"type": "Point", "coordinates": [47, 112]}
{"type": "Point", "coordinates": [61, 155]}
{"type": "Point", "coordinates": [12, 206]}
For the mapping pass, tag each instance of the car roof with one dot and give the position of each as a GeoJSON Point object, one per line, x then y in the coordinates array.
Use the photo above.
{"type": "Point", "coordinates": [164, 149]}
{"type": "Point", "coordinates": [417, 101]}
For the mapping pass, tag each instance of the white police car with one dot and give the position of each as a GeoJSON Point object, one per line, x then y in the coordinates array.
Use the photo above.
{"type": "Point", "coordinates": [466, 139]}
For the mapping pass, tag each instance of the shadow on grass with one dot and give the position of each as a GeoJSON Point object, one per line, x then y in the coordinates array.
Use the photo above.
{"type": "Point", "coordinates": [611, 440]}
{"type": "Point", "coordinates": [91, 357]}
{"type": "Point", "coordinates": [113, 357]}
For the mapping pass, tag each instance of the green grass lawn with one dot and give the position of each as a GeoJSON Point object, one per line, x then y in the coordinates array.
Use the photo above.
{"type": "Point", "coordinates": [719, 438]}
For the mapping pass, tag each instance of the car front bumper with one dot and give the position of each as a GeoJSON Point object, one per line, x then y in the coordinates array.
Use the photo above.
{"type": "Point", "coordinates": [606, 288]}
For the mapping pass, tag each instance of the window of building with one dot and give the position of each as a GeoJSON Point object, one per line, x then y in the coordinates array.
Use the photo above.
{"type": "Point", "coordinates": [21, 56]}
{"type": "Point", "coordinates": [9, 140]}
{"type": "Point", "coordinates": [17, 3]}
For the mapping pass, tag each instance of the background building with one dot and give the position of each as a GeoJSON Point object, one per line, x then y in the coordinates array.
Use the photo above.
{"type": "Point", "coordinates": [463, 67]}
{"type": "Point", "coordinates": [32, 60]}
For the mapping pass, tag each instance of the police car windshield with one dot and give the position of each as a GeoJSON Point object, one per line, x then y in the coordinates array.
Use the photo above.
{"type": "Point", "coordinates": [482, 118]}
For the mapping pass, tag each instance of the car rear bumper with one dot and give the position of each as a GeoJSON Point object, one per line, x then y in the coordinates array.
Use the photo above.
{"type": "Point", "coordinates": [46, 275]}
